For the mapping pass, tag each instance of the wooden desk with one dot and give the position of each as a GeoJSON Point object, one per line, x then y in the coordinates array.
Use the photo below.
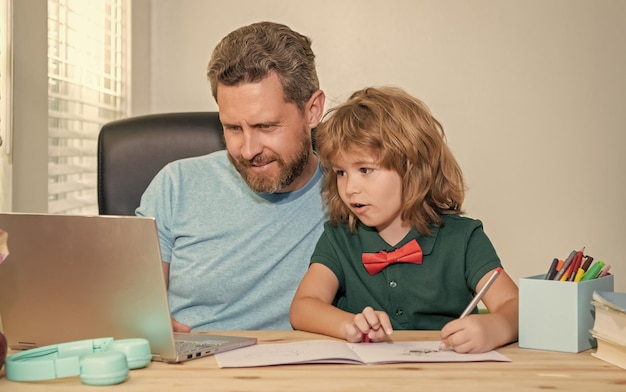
{"type": "Point", "coordinates": [530, 370]}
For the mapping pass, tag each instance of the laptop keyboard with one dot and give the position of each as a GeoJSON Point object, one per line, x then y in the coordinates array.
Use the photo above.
{"type": "Point", "coordinates": [183, 346]}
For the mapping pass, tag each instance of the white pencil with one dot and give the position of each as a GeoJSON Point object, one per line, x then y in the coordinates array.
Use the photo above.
{"type": "Point", "coordinates": [480, 294]}
{"type": "Point", "coordinates": [475, 301]}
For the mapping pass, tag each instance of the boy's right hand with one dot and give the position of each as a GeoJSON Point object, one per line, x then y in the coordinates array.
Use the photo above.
{"type": "Point", "coordinates": [369, 324]}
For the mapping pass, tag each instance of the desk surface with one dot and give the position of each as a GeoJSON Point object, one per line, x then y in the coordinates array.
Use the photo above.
{"type": "Point", "coordinates": [529, 370]}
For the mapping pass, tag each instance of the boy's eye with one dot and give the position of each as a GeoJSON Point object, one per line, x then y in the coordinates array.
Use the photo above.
{"type": "Point", "coordinates": [340, 173]}
{"type": "Point", "coordinates": [366, 170]}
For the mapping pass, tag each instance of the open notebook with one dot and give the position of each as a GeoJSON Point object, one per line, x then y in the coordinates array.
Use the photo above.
{"type": "Point", "coordinates": [82, 277]}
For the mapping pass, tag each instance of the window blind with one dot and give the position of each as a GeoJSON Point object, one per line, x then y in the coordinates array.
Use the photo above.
{"type": "Point", "coordinates": [87, 87]}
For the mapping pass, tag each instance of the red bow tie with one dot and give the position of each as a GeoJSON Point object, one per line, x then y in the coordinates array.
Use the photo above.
{"type": "Point", "coordinates": [409, 253]}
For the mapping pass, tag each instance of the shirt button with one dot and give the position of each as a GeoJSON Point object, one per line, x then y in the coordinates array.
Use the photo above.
{"type": "Point", "coordinates": [399, 312]}
{"type": "Point", "coordinates": [393, 284]}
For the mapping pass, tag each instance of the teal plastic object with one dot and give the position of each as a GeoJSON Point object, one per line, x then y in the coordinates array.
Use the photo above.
{"type": "Point", "coordinates": [103, 368]}
{"type": "Point", "coordinates": [100, 361]}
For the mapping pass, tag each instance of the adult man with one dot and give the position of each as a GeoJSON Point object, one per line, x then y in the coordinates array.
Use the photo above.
{"type": "Point", "coordinates": [237, 227]}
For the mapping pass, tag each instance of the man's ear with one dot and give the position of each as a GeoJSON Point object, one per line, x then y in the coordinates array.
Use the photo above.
{"type": "Point", "coordinates": [315, 108]}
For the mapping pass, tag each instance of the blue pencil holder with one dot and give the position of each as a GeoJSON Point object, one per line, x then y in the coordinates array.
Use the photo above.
{"type": "Point", "coordinates": [557, 316]}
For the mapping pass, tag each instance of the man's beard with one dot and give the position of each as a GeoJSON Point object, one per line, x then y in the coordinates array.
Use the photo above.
{"type": "Point", "coordinates": [288, 170]}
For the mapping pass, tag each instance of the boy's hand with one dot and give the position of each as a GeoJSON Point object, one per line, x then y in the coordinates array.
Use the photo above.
{"type": "Point", "coordinates": [469, 334]}
{"type": "Point", "coordinates": [370, 324]}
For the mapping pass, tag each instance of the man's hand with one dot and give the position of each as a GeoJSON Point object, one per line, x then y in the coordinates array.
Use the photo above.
{"type": "Point", "coordinates": [180, 327]}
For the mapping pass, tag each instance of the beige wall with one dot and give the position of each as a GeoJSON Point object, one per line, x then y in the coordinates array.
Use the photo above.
{"type": "Point", "coordinates": [531, 93]}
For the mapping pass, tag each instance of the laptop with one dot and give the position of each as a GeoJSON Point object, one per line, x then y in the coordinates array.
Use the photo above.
{"type": "Point", "coordinates": [71, 277]}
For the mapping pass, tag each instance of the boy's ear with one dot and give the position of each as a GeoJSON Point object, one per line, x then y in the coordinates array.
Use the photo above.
{"type": "Point", "coordinates": [315, 108]}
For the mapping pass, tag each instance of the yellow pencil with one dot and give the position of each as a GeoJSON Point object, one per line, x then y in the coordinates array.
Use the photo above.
{"type": "Point", "coordinates": [579, 275]}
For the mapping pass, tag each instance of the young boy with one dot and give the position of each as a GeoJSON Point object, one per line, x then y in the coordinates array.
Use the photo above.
{"type": "Point", "coordinates": [394, 191]}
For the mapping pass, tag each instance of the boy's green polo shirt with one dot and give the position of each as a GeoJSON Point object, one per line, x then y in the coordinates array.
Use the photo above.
{"type": "Point", "coordinates": [422, 296]}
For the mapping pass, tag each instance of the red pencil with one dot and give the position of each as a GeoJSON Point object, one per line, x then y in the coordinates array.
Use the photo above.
{"type": "Point", "coordinates": [578, 259]}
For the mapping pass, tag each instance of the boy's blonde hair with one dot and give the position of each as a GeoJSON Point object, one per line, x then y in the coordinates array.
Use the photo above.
{"type": "Point", "coordinates": [400, 131]}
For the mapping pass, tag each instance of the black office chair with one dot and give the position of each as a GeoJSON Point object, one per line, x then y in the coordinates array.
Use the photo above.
{"type": "Point", "coordinates": [131, 151]}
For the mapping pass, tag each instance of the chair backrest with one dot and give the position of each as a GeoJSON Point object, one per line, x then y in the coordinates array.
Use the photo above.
{"type": "Point", "coordinates": [131, 151]}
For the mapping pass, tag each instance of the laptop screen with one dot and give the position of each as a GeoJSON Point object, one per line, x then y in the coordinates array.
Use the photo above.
{"type": "Point", "coordinates": [82, 277]}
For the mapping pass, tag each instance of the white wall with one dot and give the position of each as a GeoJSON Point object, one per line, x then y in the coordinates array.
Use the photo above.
{"type": "Point", "coordinates": [531, 93]}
